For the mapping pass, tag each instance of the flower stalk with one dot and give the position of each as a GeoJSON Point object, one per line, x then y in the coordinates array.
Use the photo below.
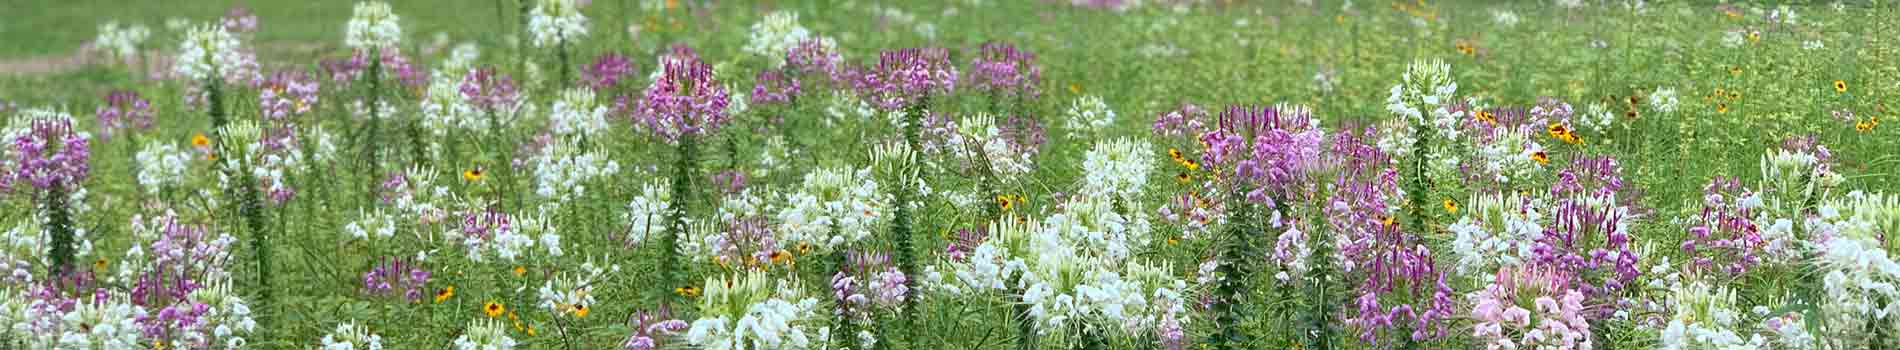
{"type": "Point", "coordinates": [685, 165]}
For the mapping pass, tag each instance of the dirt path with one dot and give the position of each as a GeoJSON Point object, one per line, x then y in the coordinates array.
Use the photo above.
{"type": "Point", "coordinates": [48, 65]}
{"type": "Point", "coordinates": [86, 56]}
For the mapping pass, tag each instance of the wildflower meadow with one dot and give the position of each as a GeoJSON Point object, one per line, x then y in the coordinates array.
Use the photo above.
{"type": "Point", "coordinates": [949, 174]}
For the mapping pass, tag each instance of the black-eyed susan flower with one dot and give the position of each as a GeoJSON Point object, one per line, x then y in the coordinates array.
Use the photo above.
{"type": "Point", "coordinates": [1735, 70]}
{"type": "Point", "coordinates": [1541, 157]}
{"type": "Point", "coordinates": [200, 140]}
{"type": "Point", "coordinates": [99, 264]}
{"type": "Point", "coordinates": [1191, 165]}
{"type": "Point", "coordinates": [581, 310]}
{"type": "Point", "coordinates": [1175, 154]}
{"type": "Point", "coordinates": [1840, 86]}
{"type": "Point", "coordinates": [1465, 47]}
{"type": "Point", "coordinates": [1451, 206]}
{"type": "Point", "coordinates": [779, 256]}
{"type": "Point", "coordinates": [1486, 116]}
{"type": "Point", "coordinates": [523, 327]}
{"type": "Point", "coordinates": [493, 309]}
{"type": "Point", "coordinates": [444, 294]}
{"type": "Point", "coordinates": [520, 270]}
{"type": "Point", "coordinates": [1183, 177]}
{"type": "Point", "coordinates": [473, 174]}
{"type": "Point", "coordinates": [1004, 202]}
{"type": "Point", "coordinates": [1721, 107]}
{"type": "Point", "coordinates": [687, 291]}
{"type": "Point", "coordinates": [1563, 133]}
{"type": "Point", "coordinates": [1075, 88]}
{"type": "Point", "coordinates": [1387, 220]}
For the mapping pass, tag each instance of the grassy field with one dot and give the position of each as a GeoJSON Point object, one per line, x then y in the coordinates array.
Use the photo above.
{"type": "Point", "coordinates": [1640, 143]}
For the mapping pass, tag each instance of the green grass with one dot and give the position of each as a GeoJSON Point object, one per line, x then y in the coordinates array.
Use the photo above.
{"type": "Point", "coordinates": [1233, 54]}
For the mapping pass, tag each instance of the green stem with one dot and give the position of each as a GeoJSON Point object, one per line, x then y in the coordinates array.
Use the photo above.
{"type": "Point", "coordinates": [561, 53]}
{"type": "Point", "coordinates": [1235, 271]}
{"type": "Point", "coordinates": [60, 223]}
{"type": "Point", "coordinates": [370, 146]}
{"type": "Point", "coordinates": [1026, 337]}
{"type": "Point", "coordinates": [1327, 294]}
{"type": "Point", "coordinates": [1092, 339]}
{"type": "Point", "coordinates": [214, 99]}
{"type": "Point", "coordinates": [684, 169]}
{"type": "Point", "coordinates": [901, 220]}
{"type": "Point", "coordinates": [252, 209]}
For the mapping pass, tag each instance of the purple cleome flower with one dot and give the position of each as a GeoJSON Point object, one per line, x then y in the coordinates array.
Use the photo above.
{"type": "Point", "coordinates": [775, 87]}
{"type": "Point", "coordinates": [904, 77]}
{"type": "Point", "coordinates": [606, 71]}
{"type": "Point", "coordinates": [684, 101]}
{"type": "Point", "coordinates": [396, 276]}
{"type": "Point", "coordinates": [124, 109]}
{"type": "Point", "coordinates": [1000, 68]}
{"type": "Point", "coordinates": [1267, 150]}
{"type": "Point", "coordinates": [489, 91]}
{"type": "Point", "coordinates": [51, 154]}
{"type": "Point", "coordinates": [286, 94]}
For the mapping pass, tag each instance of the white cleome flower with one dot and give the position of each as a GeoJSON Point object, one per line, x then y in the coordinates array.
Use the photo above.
{"type": "Point", "coordinates": [774, 34]}
{"type": "Point", "coordinates": [646, 214]}
{"type": "Point", "coordinates": [349, 336]}
{"type": "Point", "coordinates": [576, 113]}
{"type": "Point", "coordinates": [484, 335]}
{"type": "Point", "coordinates": [836, 206]}
{"type": "Point", "coordinates": [1089, 114]}
{"type": "Point", "coordinates": [1117, 168]}
{"type": "Point", "coordinates": [206, 53]}
{"type": "Point", "coordinates": [1664, 100]}
{"type": "Point", "coordinates": [121, 41]}
{"type": "Point", "coordinates": [556, 22]}
{"type": "Point", "coordinates": [564, 169]}
{"type": "Point", "coordinates": [161, 165]}
{"type": "Point", "coordinates": [373, 26]}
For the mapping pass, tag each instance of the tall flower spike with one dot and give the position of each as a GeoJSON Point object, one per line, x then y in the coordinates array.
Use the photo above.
{"type": "Point", "coordinates": [904, 77]}
{"type": "Point", "coordinates": [814, 57]}
{"type": "Point", "coordinates": [1000, 68]}
{"type": "Point", "coordinates": [774, 35]}
{"type": "Point", "coordinates": [52, 153]}
{"type": "Point", "coordinates": [553, 22]}
{"type": "Point", "coordinates": [373, 26]}
{"type": "Point", "coordinates": [685, 100]}
{"type": "Point", "coordinates": [287, 94]}
{"type": "Point", "coordinates": [606, 71]}
{"type": "Point", "coordinates": [207, 52]}
{"type": "Point", "coordinates": [125, 110]}
{"type": "Point", "coordinates": [775, 87]}
{"type": "Point", "coordinates": [1266, 150]}
{"type": "Point", "coordinates": [489, 91]}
